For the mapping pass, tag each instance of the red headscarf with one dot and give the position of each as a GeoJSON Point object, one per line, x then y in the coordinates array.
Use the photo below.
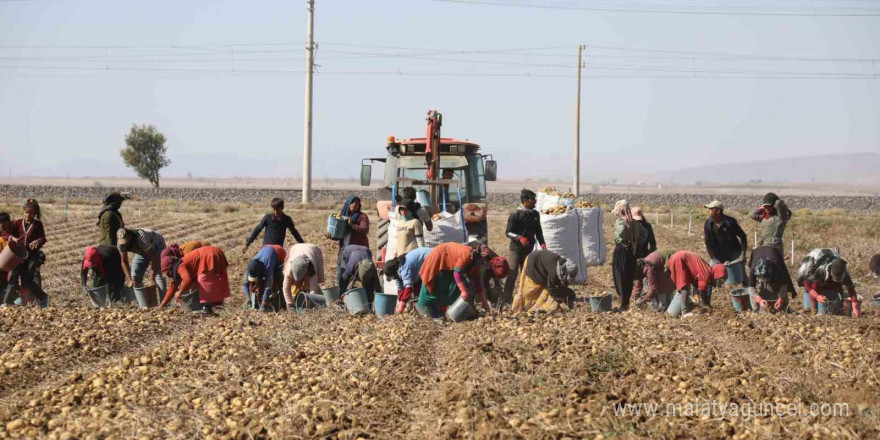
{"type": "Point", "coordinates": [93, 259]}
{"type": "Point", "coordinates": [500, 267]}
{"type": "Point", "coordinates": [169, 256]}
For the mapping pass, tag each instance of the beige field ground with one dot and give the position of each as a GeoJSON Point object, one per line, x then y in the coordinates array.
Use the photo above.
{"type": "Point", "coordinates": [73, 372]}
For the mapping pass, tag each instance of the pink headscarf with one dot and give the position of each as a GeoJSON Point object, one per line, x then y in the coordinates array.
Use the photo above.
{"type": "Point", "coordinates": [93, 259]}
{"type": "Point", "coordinates": [169, 256]}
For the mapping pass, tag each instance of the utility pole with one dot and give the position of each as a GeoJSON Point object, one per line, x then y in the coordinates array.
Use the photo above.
{"type": "Point", "coordinates": [307, 136]}
{"type": "Point", "coordinates": [577, 128]}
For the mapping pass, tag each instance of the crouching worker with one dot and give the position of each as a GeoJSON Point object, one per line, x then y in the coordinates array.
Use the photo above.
{"type": "Point", "coordinates": [203, 269]}
{"type": "Point", "coordinates": [446, 274]}
{"type": "Point", "coordinates": [689, 271]}
{"type": "Point", "coordinates": [358, 266]}
{"type": "Point", "coordinates": [824, 275]}
{"type": "Point", "coordinates": [404, 270]}
{"type": "Point", "coordinates": [104, 265]}
{"type": "Point", "coordinates": [770, 279]}
{"type": "Point", "coordinates": [544, 283]}
{"type": "Point", "coordinates": [303, 272]}
{"type": "Point", "coordinates": [262, 278]}
{"type": "Point", "coordinates": [660, 287]}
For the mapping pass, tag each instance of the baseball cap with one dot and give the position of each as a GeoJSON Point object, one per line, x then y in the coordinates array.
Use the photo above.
{"type": "Point", "coordinates": [715, 205]}
{"type": "Point", "coordinates": [122, 236]}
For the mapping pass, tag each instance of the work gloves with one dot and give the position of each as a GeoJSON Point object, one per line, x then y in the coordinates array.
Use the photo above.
{"type": "Point", "coordinates": [525, 241]}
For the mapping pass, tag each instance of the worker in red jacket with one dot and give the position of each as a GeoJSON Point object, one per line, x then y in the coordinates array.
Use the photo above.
{"type": "Point", "coordinates": [203, 268]}
{"type": "Point", "coordinates": [688, 270]}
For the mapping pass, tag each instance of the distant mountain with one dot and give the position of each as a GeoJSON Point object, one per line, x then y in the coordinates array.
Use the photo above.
{"type": "Point", "coordinates": [853, 169]}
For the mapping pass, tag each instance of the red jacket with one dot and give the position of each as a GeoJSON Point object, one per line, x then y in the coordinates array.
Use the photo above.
{"type": "Point", "coordinates": [360, 231]}
{"type": "Point", "coordinates": [687, 268]}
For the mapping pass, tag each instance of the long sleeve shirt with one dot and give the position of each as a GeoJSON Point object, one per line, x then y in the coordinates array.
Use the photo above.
{"type": "Point", "coordinates": [621, 236]}
{"type": "Point", "coordinates": [359, 232]}
{"type": "Point", "coordinates": [651, 245]}
{"type": "Point", "coordinates": [351, 257]}
{"type": "Point", "coordinates": [272, 257]}
{"type": "Point", "coordinates": [524, 223]}
{"type": "Point", "coordinates": [659, 280]}
{"type": "Point", "coordinates": [315, 276]}
{"type": "Point", "coordinates": [408, 271]}
{"type": "Point", "coordinates": [687, 268]}
{"type": "Point", "coordinates": [276, 230]}
{"type": "Point", "coordinates": [772, 228]}
{"type": "Point", "coordinates": [33, 233]}
{"type": "Point", "coordinates": [110, 222]}
{"type": "Point", "coordinates": [725, 241]}
{"type": "Point", "coordinates": [207, 259]}
{"type": "Point", "coordinates": [815, 288]}
{"type": "Point", "coordinates": [781, 277]}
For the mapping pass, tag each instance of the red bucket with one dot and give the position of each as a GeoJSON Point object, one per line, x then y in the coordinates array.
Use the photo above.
{"type": "Point", "coordinates": [13, 254]}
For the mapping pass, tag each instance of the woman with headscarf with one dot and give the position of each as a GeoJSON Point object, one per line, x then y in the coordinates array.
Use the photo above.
{"type": "Point", "coordinates": [192, 245]}
{"type": "Point", "coordinates": [628, 236]}
{"type": "Point", "coordinates": [303, 271]}
{"type": "Point", "coordinates": [203, 269]}
{"type": "Point", "coordinates": [358, 223]}
{"type": "Point", "coordinates": [447, 273]}
{"type": "Point", "coordinates": [544, 283]}
{"type": "Point", "coordinates": [660, 288]}
{"type": "Point", "coordinates": [410, 235]}
{"type": "Point", "coordinates": [263, 276]}
{"type": "Point", "coordinates": [773, 215]}
{"type": "Point", "coordinates": [104, 265]}
{"type": "Point", "coordinates": [28, 231]}
{"type": "Point", "coordinates": [109, 218]}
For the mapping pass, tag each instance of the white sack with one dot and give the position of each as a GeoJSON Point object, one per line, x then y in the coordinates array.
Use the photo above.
{"type": "Point", "coordinates": [447, 229]}
{"type": "Point", "coordinates": [592, 239]}
{"type": "Point", "coordinates": [561, 234]}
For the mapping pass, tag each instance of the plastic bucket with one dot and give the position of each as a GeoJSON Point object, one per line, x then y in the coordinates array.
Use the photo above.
{"type": "Point", "coordinates": [384, 303]}
{"type": "Point", "coordinates": [741, 298]}
{"type": "Point", "coordinates": [304, 301]}
{"type": "Point", "coordinates": [677, 305]}
{"type": "Point", "coordinates": [146, 297]}
{"type": "Point", "coordinates": [98, 295]}
{"type": "Point", "coordinates": [331, 294]}
{"type": "Point", "coordinates": [601, 304]}
{"type": "Point", "coordinates": [461, 310]}
{"type": "Point", "coordinates": [13, 254]}
{"type": "Point", "coordinates": [336, 227]}
{"type": "Point", "coordinates": [356, 301]}
{"type": "Point", "coordinates": [806, 301]}
{"type": "Point", "coordinates": [877, 301]}
{"type": "Point", "coordinates": [190, 300]}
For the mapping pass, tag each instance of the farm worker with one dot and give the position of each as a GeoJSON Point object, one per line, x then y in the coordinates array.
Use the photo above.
{"type": "Point", "coordinates": [357, 262]}
{"type": "Point", "coordinates": [688, 270]}
{"type": "Point", "coordinates": [544, 283]}
{"type": "Point", "coordinates": [629, 235]}
{"type": "Point", "coordinates": [410, 235]}
{"type": "Point", "coordinates": [770, 278]}
{"type": "Point", "coordinates": [303, 271]}
{"type": "Point", "coordinates": [104, 264]}
{"type": "Point", "coordinates": [263, 275]}
{"type": "Point", "coordinates": [27, 231]}
{"type": "Point", "coordinates": [203, 269]}
{"type": "Point", "coordinates": [493, 271]}
{"type": "Point", "coordinates": [357, 232]}
{"type": "Point", "coordinates": [193, 245]}
{"type": "Point", "coordinates": [110, 219]}
{"type": "Point", "coordinates": [443, 276]}
{"type": "Point", "coordinates": [404, 270]}
{"type": "Point", "coordinates": [147, 246]}
{"type": "Point", "coordinates": [650, 245]}
{"type": "Point", "coordinates": [421, 212]}
{"type": "Point", "coordinates": [524, 231]}
{"type": "Point", "coordinates": [726, 242]}
{"type": "Point", "coordinates": [276, 225]}
{"type": "Point", "coordinates": [824, 275]}
{"type": "Point", "coordinates": [660, 287]}
{"type": "Point", "coordinates": [773, 215]}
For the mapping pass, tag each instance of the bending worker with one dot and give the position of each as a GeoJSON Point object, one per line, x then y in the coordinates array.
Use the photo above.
{"type": "Point", "coordinates": [688, 271]}
{"type": "Point", "coordinates": [660, 285]}
{"type": "Point", "coordinates": [544, 283]}
{"type": "Point", "coordinates": [824, 275]}
{"type": "Point", "coordinates": [203, 268]}
{"type": "Point", "coordinates": [404, 270]}
{"type": "Point", "coordinates": [104, 265]}
{"type": "Point", "coordinates": [263, 276]}
{"type": "Point", "coordinates": [771, 280]}
{"type": "Point", "coordinates": [303, 271]}
{"type": "Point", "coordinates": [358, 265]}
{"type": "Point", "coordinates": [444, 275]}
{"type": "Point", "coordinates": [147, 247]}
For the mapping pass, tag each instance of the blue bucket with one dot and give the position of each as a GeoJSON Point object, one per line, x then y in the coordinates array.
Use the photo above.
{"type": "Point", "coordinates": [677, 305]}
{"type": "Point", "coordinates": [877, 301]}
{"type": "Point", "coordinates": [806, 301]}
{"type": "Point", "coordinates": [356, 301]}
{"type": "Point", "coordinates": [384, 303]}
{"type": "Point", "coordinates": [331, 294]}
{"type": "Point", "coordinates": [601, 304]}
{"type": "Point", "coordinates": [336, 227]}
{"type": "Point", "coordinates": [740, 299]}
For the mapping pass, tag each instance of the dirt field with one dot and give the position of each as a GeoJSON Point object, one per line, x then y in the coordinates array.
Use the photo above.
{"type": "Point", "coordinates": [73, 372]}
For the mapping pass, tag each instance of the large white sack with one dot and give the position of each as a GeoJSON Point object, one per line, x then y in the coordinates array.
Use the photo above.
{"type": "Point", "coordinates": [562, 236]}
{"type": "Point", "coordinates": [447, 229]}
{"type": "Point", "coordinates": [545, 200]}
{"type": "Point", "coordinates": [592, 238]}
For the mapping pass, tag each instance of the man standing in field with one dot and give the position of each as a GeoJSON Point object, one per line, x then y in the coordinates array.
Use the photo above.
{"type": "Point", "coordinates": [276, 225]}
{"type": "Point", "coordinates": [773, 215]}
{"type": "Point", "coordinates": [523, 230]}
{"type": "Point", "coordinates": [726, 242]}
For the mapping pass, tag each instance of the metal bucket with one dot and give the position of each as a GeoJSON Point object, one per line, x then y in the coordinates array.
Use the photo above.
{"type": "Point", "coordinates": [304, 301]}
{"type": "Point", "coordinates": [12, 255]}
{"type": "Point", "coordinates": [356, 301]}
{"type": "Point", "coordinates": [741, 298]}
{"type": "Point", "coordinates": [98, 295]}
{"type": "Point", "coordinates": [806, 301]}
{"type": "Point", "coordinates": [191, 301]}
{"type": "Point", "coordinates": [146, 297]}
{"type": "Point", "coordinates": [336, 227]}
{"type": "Point", "coordinates": [877, 301]}
{"type": "Point", "coordinates": [384, 303]}
{"type": "Point", "coordinates": [461, 310]}
{"type": "Point", "coordinates": [601, 304]}
{"type": "Point", "coordinates": [678, 303]}
{"type": "Point", "coordinates": [331, 295]}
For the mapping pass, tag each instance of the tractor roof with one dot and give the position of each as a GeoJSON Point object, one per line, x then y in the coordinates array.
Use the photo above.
{"type": "Point", "coordinates": [443, 141]}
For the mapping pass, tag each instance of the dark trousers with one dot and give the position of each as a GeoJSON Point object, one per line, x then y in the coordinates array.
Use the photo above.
{"type": "Point", "coordinates": [25, 273]}
{"type": "Point", "coordinates": [623, 267]}
{"type": "Point", "coordinates": [518, 256]}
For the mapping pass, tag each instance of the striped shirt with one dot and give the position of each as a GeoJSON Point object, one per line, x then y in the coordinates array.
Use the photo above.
{"type": "Point", "coordinates": [145, 240]}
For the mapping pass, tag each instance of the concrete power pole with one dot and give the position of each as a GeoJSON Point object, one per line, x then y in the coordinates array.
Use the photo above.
{"type": "Point", "coordinates": [577, 129]}
{"type": "Point", "coordinates": [307, 136]}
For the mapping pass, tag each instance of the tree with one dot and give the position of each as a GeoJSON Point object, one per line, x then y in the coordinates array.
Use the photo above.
{"type": "Point", "coordinates": [145, 152]}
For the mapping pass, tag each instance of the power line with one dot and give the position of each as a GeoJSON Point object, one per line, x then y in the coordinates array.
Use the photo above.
{"type": "Point", "coordinates": [679, 9]}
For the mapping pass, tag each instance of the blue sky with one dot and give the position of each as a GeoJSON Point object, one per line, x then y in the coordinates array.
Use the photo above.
{"type": "Point", "coordinates": [222, 80]}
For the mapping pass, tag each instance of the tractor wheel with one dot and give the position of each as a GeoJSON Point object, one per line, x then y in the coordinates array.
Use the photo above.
{"type": "Point", "coordinates": [382, 240]}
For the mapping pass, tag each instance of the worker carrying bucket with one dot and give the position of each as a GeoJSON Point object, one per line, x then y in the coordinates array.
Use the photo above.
{"type": "Point", "coordinates": [770, 279]}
